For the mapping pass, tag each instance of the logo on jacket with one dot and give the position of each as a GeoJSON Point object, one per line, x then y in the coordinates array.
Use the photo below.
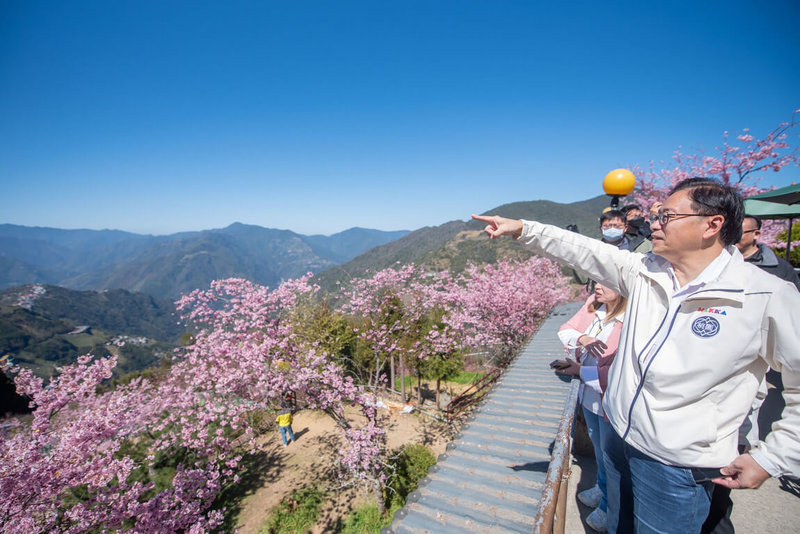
{"type": "Point", "coordinates": [705, 326]}
{"type": "Point", "coordinates": [712, 310]}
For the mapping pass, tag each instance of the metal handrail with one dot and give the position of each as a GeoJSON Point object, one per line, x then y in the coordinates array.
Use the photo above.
{"type": "Point", "coordinates": [550, 517]}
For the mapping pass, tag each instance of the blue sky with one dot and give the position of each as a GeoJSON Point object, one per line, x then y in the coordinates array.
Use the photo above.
{"type": "Point", "coordinates": [164, 116]}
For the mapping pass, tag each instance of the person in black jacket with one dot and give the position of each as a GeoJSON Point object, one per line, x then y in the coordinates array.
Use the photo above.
{"type": "Point", "coordinates": [636, 224]}
{"type": "Point", "coordinates": [762, 256]}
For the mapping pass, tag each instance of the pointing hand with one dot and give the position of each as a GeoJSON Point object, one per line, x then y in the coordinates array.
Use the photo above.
{"type": "Point", "coordinates": [497, 226]}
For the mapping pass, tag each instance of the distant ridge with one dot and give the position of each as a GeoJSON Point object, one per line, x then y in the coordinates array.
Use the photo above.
{"type": "Point", "coordinates": [166, 266]}
{"type": "Point", "coordinates": [584, 214]}
{"type": "Point", "coordinates": [339, 247]}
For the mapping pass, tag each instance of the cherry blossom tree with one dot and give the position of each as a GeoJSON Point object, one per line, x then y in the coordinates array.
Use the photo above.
{"type": "Point", "coordinates": [376, 301]}
{"type": "Point", "coordinates": [66, 470]}
{"type": "Point", "coordinates": [420, 315]}
{"type": "Point", "coordinates": [500, 305]}
{"type": "Point", "coordinates": [75, 466]}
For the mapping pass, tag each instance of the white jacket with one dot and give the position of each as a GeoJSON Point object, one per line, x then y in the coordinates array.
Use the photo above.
{"type": "Point", "coordinates": [683, 401]}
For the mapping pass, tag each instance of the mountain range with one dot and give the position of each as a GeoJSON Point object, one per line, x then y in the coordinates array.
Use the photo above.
{"type": "Point", "coordinates": [166, 266]}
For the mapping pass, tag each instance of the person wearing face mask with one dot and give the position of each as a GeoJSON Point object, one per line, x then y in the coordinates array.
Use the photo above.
{"type": "Point", "coordinates": [636, 225]}
{"type": "Point", "coordinates": [612, 226]}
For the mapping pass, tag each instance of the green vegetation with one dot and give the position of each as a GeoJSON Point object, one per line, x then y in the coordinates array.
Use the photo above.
{"type": "Point", "coordinates": [411, 381]}
{"type": "Point", "coordinates": [366, 519]}
{"type": "Point", "coordinates": [41, 338]}
{"type": "Point", "coordinates": [407, 468]}
{"type": "Point", "coordinates": [794, 253]}
{"type": "Point", "coordinates": [462, 377]}
{"type": "Point", "coordinates": [466, 377]}
{"type": "Point", "coordinates": [44, 351]}
{"type": "Point", "coordinates": [114, 310]}
{"type": "Point", "coordinates": [471, 248]}
{"type": "Point", "coordinates": [296, 514]}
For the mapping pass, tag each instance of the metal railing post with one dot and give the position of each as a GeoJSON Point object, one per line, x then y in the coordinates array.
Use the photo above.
{"type": "Point", "coordinates": [550, 517]}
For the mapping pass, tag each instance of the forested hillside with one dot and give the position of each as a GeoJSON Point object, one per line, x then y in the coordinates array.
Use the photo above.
{"type": "Point", "coordinates": [455, 244]}
{"type": "Point", "coordinates": [42, 327]}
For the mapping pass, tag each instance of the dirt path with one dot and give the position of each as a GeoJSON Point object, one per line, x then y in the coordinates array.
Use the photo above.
{"type": "Point", "coordinates": [311, 459]}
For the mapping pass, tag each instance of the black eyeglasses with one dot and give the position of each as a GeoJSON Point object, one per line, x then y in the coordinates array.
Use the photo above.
{"type": "Point", "coordinates": [664, 218]}
{"type": "Point", "coordinates": [748, 231]}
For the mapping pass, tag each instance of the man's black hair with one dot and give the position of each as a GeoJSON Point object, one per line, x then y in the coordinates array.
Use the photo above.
{"type": "Point", "coordinates": [710, 197]}
{"type": "Point", "coordinates": [630, 207]}
{"type": "Point", "coordinates": [610, 215]}
{"type": "Point", "coordinates": [756, 219]}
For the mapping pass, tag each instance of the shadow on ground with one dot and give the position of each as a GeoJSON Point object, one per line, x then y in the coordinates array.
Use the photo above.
{"type": "Point", "coordinates": [588, 479]}
{"type": "Point", "coordinates": [540, 467]}
{"type": "Point", "coordinates": [255, 470]}
{"type": "Point", "coordinates": [300, 433]}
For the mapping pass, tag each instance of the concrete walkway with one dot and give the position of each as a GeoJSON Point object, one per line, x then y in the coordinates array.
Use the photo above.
{"type": "Point", "coordinates": [492, 476]}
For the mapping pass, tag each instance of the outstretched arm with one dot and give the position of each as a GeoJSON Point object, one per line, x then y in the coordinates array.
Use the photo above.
{"type": "Point", "coordinates": [602, 262]}
{"type": "Point", "coordinates": [497, 226]}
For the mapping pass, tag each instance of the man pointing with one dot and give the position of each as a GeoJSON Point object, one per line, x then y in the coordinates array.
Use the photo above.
{"type": "Point", "coordinates": [702, 326]}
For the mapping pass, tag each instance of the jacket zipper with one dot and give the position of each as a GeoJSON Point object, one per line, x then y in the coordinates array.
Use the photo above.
{"type": "Point", "coordinates": [640, 386]}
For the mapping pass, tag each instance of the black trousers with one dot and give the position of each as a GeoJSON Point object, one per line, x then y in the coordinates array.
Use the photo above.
{"type": "Point", "coordinates": [719, 513]}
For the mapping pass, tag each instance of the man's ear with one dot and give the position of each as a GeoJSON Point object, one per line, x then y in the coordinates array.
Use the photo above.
{"type": "Point", "coordinates": [713, 226]}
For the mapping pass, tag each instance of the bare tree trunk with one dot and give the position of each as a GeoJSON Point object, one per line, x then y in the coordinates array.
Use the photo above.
{"type": "Point", "coordinates": [438, 387]}
{"type": "Point", "coordinates": [403, 378]}
{"type": "Point", "coordinates": [419, 387]}
{"type": "Point", "coordinates": [391, 373]}
{"type": "Point", "coordinates": [377, 374]}
{"type": "Point", "coordinates": [376, 491]}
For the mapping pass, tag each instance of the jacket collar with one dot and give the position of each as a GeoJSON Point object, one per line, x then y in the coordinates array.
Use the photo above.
{"type": "Point", "coordinates": [763, 257]}
{"type": "Point", "coordinates": [727, 285]}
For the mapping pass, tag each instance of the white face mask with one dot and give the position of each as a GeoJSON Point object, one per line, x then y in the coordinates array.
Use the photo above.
{"type": "Point", "coordinates": [613, 234]}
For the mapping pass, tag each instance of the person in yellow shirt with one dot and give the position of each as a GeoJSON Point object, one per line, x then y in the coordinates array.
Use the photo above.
{"type": "Point", "coordinates": [284, 420]}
